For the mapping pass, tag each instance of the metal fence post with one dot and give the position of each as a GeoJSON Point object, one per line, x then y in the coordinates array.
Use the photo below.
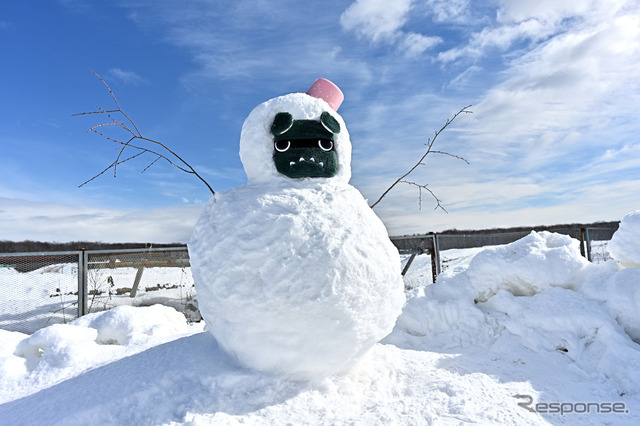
{"type": "Point", "coordinates": [82, 282]}
{"type": "Point", "coordinates": [408, 265]}
{"type": "Point", "coordinates": [583, 252]}
{"type": "Point", "coordinates": [136, 282]}
{"type": "Point", "coordinates": [588, 238]}
{"type": "Point", "coordinates": [435, 257]}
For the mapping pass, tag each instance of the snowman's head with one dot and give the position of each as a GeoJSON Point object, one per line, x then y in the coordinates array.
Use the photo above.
{"type": "Point", "coordinates": [296, 136]}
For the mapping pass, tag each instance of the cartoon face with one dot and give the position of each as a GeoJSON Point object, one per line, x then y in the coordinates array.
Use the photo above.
{"type": "Point", "coordinates": [305, 148]}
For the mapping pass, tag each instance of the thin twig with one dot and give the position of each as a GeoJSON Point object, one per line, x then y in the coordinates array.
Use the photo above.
{"type": "Point", "coordinates": [135, 134]}
{"type": "Point", "coordinates": [425, 187]}
{"type": "Point", "coordinates": [420, 162]}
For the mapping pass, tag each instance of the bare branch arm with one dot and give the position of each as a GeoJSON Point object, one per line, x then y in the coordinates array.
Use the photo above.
{"type": "Point", "coordinates": [130, 127]}
{"type": "Point", "coordinates": [420, 162]}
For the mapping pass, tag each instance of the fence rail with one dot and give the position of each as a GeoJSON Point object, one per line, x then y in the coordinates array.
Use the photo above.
{"type": "Point", "coordinates": [42, 288]}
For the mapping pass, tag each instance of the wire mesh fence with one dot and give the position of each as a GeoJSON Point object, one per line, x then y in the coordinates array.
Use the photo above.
{"type": "Point", "coordinates": [38, 289]}
{"type": "Point", "coordinates": [140, 278]}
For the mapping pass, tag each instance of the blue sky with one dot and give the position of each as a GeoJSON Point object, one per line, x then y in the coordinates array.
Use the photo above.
{"type": "Point", "coordinates": [553, 137]}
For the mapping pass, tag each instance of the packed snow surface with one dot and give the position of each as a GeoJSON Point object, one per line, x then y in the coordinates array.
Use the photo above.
{"type": "Point", "coordinates": [625, 245]}
{"type": "Point", "coordinates": [487, 343]}
{"type": "Point", "coordinates": [310, 279]}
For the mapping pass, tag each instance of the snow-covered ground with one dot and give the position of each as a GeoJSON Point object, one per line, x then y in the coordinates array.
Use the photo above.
{"type": "Point", "coordinates": [526, 333]}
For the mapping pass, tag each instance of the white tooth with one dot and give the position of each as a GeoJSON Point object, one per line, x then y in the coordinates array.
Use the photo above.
{"type": "Point", "coordinates": [321, 164]}
{"type": "Point", "coordinates": [313, 160]}
{"type": "Point", "coordinates": [301, 159]}
{"type": "Point", "coordinates": [292, 163]}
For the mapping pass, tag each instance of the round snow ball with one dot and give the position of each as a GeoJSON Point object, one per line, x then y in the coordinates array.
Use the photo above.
{"type": "Point", "coordinates": [296, 280]}
{"type": "Point", "coordinates": [625, 243]}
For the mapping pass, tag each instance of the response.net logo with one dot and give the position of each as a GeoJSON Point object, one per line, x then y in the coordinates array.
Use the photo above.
{"type": "Point", "coordinates": [563, 408]}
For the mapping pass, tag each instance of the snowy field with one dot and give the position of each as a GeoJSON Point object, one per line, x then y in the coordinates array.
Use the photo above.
{"type": "Point", "coordinates": [526, 333]}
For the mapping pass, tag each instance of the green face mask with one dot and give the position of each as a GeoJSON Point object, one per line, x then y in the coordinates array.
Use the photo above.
{"type": "Point", "coordinates": [305, 148]}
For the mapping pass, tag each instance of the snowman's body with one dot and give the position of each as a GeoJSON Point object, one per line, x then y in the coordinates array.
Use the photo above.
{"type": "Point", "coordinates": [294, 276]}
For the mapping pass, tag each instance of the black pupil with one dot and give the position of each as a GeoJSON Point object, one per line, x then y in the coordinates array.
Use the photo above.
{"type": "Point", "coordinates": [325, 144]}
{"type": "Point", "coordinates": [282, 145]}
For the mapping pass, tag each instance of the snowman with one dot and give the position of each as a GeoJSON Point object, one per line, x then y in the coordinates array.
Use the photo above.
{"type": "Point", "coordinates": [295, 274]}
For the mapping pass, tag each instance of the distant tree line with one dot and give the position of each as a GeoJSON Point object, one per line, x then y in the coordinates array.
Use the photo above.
{"type": "Point", "coordinates": [37, 246]}
{"type": "Point", "coordinates": [552, 228]}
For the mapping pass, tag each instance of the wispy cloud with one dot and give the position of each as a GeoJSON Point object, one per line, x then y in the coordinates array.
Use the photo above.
{"type": "Point", "coordinates": [381, 21]}
{"type": "Point", "coordinates": [378, 20]}
{"type": "Point", "coordinates": [125, 77]}
{"type": "Point", "coordinates": [416, 44]}
{"type": "Point", "coordinates": [62, 222]}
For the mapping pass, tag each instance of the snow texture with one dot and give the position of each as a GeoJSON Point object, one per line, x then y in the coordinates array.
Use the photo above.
{"type": "Point", "coordinates": [625, 245]}
{"type": "Point", "coordinates": [465, 350]}
{"type": "Point", "coordinates": [297, 279]}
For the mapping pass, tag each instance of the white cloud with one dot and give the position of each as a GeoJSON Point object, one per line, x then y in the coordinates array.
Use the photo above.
{"type": "Point", "coordinates": [558, 95]}
{"type": "Point", "coordinates": [414, 44]}
{"type": "Point", "coordinates": [378, 20]}
{"type": "Point", "coordinates": [501, 37]}
{"type": "Point", "coordinates": [28, 220]}
{"type": "Point", "coordinates": [449, 10]}
{"type": "Point", "coordinates": [535, 21]}
{"type": "Point", "coordinates": [555, 11]}
{"type": "Point", "coordinates": [125, 77]}
{"type": "Point", "coordinates": [382, 21]}
{"type": "Point", "coordinates": [464, 77]}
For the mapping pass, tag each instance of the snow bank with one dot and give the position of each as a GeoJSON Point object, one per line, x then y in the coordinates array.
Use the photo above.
{"type": "Point", "coordinates": [625, 243]}
{"type": "Point", "coordinates": [127, 325]}
{"type": "Point", "coordinates": [60, 351]}
{"type": "Point", "coordinates": [542, 293]}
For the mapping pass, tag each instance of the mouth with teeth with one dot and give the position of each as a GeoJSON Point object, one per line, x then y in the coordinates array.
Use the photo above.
{"type": "Point", "coordinates": [305, 158]}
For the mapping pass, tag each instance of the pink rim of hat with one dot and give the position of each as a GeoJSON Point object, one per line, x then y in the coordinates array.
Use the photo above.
{"type": "Point", "coordinates": [327, 91]}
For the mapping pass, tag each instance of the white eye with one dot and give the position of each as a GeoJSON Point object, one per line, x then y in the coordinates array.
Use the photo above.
{"type": "Point", "coordinates": [325, 144]}
{"type": "Point", "coordinates": [282, 146]}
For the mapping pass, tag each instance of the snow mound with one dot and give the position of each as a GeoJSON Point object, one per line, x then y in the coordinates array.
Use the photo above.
{"type": "Point", "coordinates": [527, 266]}
{"type": "Point", "coordinates": [625, 243]}
{"type": "Point", "coordinates": [58, 346]}
{"type": "Point", "coordinates": [540, 292]}
{"type": "Point", "coordinates": [298, 279]}
{"type": "Point", "coordinates": [60, 351]}
{"type": "Point", "coordinates": [621, 294]}
{"type": "Point", "coordinates": [117, 327]}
